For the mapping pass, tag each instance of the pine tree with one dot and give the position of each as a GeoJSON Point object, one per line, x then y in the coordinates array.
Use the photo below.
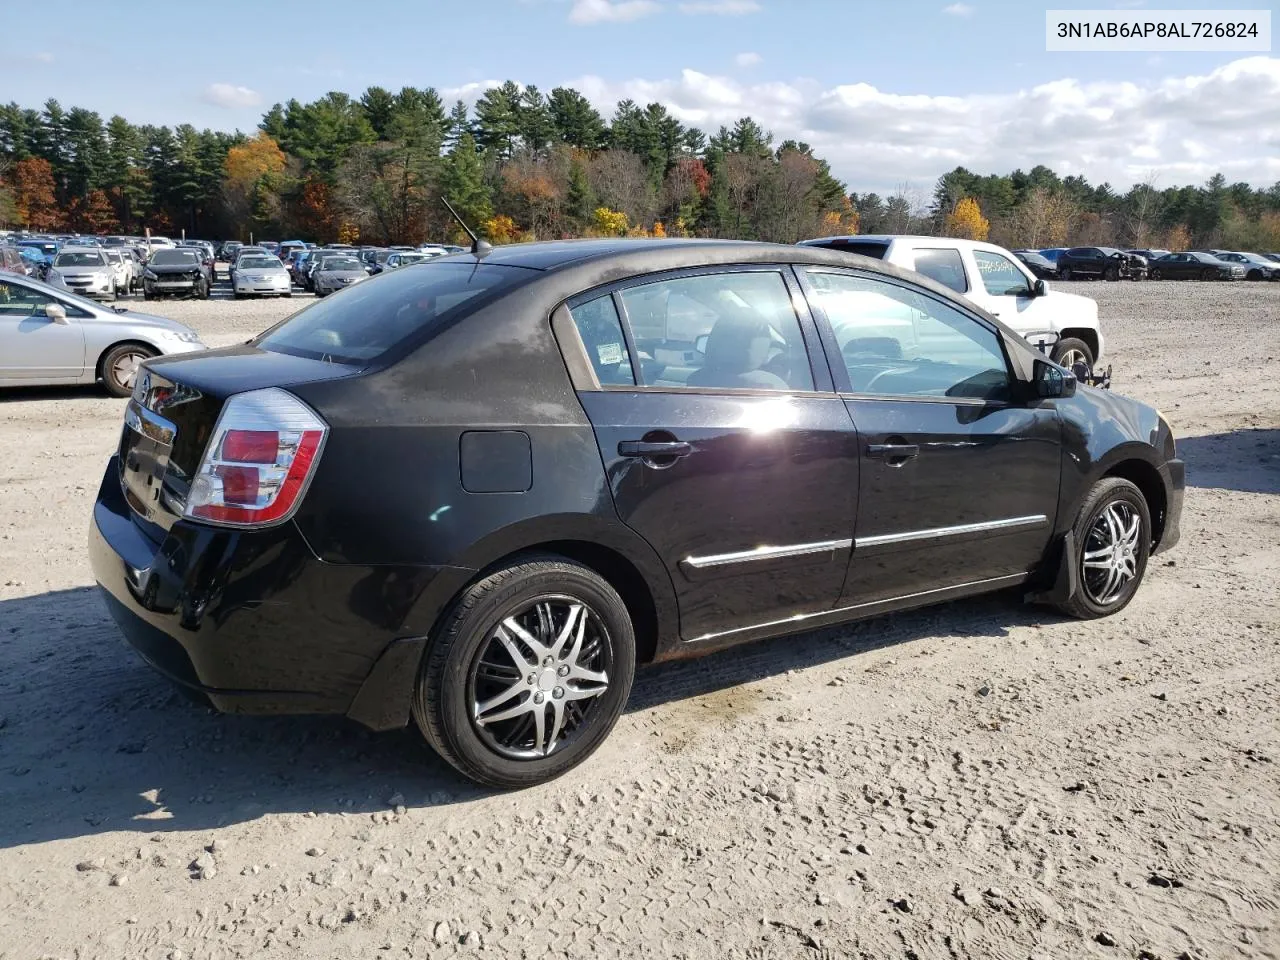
{"type": "Point", "coordinates": [533, 120]}
{"type": "Point", "coordinates": [498, 119]}
{"type": "Point", "coordinates": [575, 121]}
{"type": "Point", "coordinates": [581, 199]}
{"type": "Point", "coordinates": [463, 184]}
{"type": "Point", "coordinates": [458, 123]}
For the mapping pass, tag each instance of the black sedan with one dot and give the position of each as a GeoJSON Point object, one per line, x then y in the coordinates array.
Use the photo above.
{"type": "Point", "coordinates": [1100, 263]}
{"type": "Point", "coordinates": [478, 495]}
{"type": "Point", "coordinates": [1042, 267]}
{"type": "Point", "coordinates": [177, 271]}
{"type": "Point", "coordinates": [1195, 266]}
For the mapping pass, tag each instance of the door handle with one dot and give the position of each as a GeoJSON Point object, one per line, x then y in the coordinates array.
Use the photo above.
{"type": "Point", "coordinates": [895, 453]}
{"type": "Point", "coordinates": [654, 448]}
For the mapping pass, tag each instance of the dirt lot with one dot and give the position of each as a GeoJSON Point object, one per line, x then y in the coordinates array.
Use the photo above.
{"type": "Point", "coordinates": [981, 780]}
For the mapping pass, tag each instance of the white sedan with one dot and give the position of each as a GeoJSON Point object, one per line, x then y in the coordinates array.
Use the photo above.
{"type": "Point", "coordinates": [261, 275]}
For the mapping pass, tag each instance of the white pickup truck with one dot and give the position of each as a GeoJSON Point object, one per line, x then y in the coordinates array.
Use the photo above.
{"type": "Point", "coordinates": [1063, 325]}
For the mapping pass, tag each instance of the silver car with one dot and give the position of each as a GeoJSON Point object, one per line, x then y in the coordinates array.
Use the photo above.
{"type": "Point", "coordinates": [87, 271]}
{"type": "Point", "coordinates": [260, 275]}
{"type": "Point", "coordinates": [335, 273]}
{"type": "Point", "coordinates": [52, 336]}
{"type": "Point", "coordinates": [404, 259]}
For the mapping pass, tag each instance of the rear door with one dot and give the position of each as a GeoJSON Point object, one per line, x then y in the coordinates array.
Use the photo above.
{"type": "Point", "coordinates": [33, 346]}
{"type": "Point", "coordinates": [958, 484]}
{"type": "Point", "coordinates": [725, 447]}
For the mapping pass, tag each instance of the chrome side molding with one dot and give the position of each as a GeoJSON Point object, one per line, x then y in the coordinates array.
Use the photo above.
{"type": "Point", "coordinates": [940, 533]}
{"type": "Point", "coordinates": [765, 553]}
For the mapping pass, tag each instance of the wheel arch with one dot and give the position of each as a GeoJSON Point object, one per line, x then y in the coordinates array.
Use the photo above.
{"type": "Point", "coordinates": [1143, 475]}
{"type": "Point", "coordinates": [1088, 336]}
{"type": "Point", "coordinates": [127, 342]}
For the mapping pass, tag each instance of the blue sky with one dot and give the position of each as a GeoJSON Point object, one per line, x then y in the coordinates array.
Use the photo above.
{"type": "Point", "coordinates": [880, 88]}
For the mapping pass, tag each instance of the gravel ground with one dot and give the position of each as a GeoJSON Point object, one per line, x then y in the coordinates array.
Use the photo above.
{"type": "Point", "coordinates": [979, 780]}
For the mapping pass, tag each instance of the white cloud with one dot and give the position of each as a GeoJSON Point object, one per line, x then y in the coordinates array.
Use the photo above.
{"type": "Point", "coordinates": [958, 10]}
{"type": "Point", "coordinates": [720, 8]}
{"type": "Point", "coordinates": [748, 59]}
{"type": "Point", "coordinates": [231, 96]}
{"type": "Point", "coordinates": [43, 56]}
{"type": "Point", "coordinates": [1182, 129]}
{"type": "Point", "coordinates": [611, 11]}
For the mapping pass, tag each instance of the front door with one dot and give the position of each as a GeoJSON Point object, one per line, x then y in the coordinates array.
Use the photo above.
{"type": "Point", "coordinates": [958, 484]}
{"type": "Point", "coordinates": [1005, 289]}
{"type": "Point", "coordinates": [32, 345]}
{"type": "Point", "coordinates": [719, 450]}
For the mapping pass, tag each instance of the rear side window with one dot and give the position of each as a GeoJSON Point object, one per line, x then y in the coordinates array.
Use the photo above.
{"type": "Point", "coordinates": [601, 332]}
{"type": "Point", "coordinates": [865, 248]}
{"type": "Point", "coordinates": [719, 330]}
{"type": "Point", "coordinates": [943, 266]}
{"type": "Point", "coordinates": [371, 318]}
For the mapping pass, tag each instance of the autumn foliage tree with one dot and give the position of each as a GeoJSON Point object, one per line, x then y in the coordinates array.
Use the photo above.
{"type": "Point", "coordinates": [966, 221]}
{"type": "Point", "coordinates": [33, 194]}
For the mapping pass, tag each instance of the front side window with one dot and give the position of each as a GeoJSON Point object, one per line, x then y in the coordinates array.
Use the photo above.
{"type": "Point", "coordinates": [19, 301]}
{"type": "Point", "coordinates": [943, 266]}
{"type": "Point", "coordinates": [734, 330]}
{"type": "Point", "coordinates": [601, 332]}
{"type": "Point", "coordinates": [999, 276]}
{"type": "Point", "coordinates": [897, 342]}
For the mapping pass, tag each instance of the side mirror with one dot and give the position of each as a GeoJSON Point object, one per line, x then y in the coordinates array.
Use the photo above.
{"type": "Point", "coordinates": [56, 313]}
{"type": "Point", "coordinates": [700, 344]}
{"type": "Point", "coordinates": [1051, 381]}
{"type": "Point", "coordinates": [1039, 288]}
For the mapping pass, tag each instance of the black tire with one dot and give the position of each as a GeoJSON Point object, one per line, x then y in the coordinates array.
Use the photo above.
{"type": "Point", "coordinates": [1066, 347]}
{"type": "Point", "coordinates": [1155, 273]}
{"type": "Point", "coordinates": [443, 696]}
{"type": "Point", "coordinates": [1085, 603]}
{"type": "Point", "coordinates": [147, 295]}
{"type": "Point", "coordinates": [1254, 275]}
{"type": "Point", "coordinates": [1111, 274]}
{"type": "Point", "coordinates": [1064, 273]}
{"type": "Point", "coordinates": [1209, 274]}
{"type": "Point", "coordinates": [110, 381]}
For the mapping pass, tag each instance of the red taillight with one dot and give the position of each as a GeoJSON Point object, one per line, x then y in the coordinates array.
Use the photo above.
{"type": "Point", "coordinates": [258, 461]}
{"type": "Point", "coordinates": [251, 446]}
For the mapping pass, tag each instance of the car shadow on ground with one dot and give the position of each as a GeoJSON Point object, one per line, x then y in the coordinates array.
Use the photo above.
{"type": "Point", "coordinates": [85, 391]}
{"type": "Point", "coordinates": [92, 740]}
{"type": "Point", "coordinates": [1244, 460]}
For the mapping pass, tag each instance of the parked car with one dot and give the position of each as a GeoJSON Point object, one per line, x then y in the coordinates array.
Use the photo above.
{"type": "Point", "coordinates": [261, 276]}
{"type": "Point", "coordinates": [49, 248]}
{"type": "Point", "coordinates": [1256, 266]}
{"type": "Point", "coordinates": [121, 268]}
{"type": "Point", "coordinates": [1039, 266]}
{"type": "Point", "coordinates": [334, 273]}
{"type": "Point", "coordinates": [300, 266]}
{"type": "Point", "coordinates": [1063, 325]}
{"type": "Point", "coordinates": [1195, 266]}
{"type": "Point", "coordinates": [1100, 263]}
{"type": "Point", "coordinates": [313, 261]}
{"type": "Point", "coordinates": [1052, 253]}
{"type": "Point", "coordinates": [52, 336]}
{"type": "Point", "coordinates": [1275, 257]}
{"type": "Point", "coordinates": [34, 263]}
{"type": "Point", "coordinates": [362, 512]}
{"type": "Point", "coordinates": [288, 247]}
{"type": "Point", "coordinates": [229, 251]}
{"type": "Point", "coordinates": [87, 271]}
{"type": "Point", "coordinates": [180, 270]}
{"type": "Point", "coordinates": [11, 261]}
{"type": "Point", "coordinates": [245, 252]}
{"type": "Point", "coordinates": [396, 260]}
{"type": "Point", "coordinates": [1149, 255]}
{"type": "Point", "coordinates": [157, 243]}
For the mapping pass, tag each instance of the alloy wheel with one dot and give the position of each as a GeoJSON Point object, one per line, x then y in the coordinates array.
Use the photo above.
{"type": "Point", "coordinates": [124, 371]}
{"type": "Point", "coordinates": [538, 677]}
{"type": "Point", "coordinates": [1110, 560]}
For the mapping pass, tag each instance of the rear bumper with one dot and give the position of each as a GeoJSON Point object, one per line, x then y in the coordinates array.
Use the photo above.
{"type": "Point", "coordinates": [1174, 475]}
{"type": "Point", "coordinates": [253, 621]}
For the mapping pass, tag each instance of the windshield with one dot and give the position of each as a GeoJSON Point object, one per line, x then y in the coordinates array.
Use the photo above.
{"type": "Point", "coordinates": [341, 263]}
{"type": "Point", "coordinates": [173, 258]}
{"type": "Point", "coordinates": [78, 259]}
{"type": "Point", "coordinates": [371, 318]}
{"type": "Point", "coordinates": [262, 263]}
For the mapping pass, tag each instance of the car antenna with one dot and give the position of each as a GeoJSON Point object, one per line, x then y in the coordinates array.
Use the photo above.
{"type": "Point", "coordinates": [479, 248]}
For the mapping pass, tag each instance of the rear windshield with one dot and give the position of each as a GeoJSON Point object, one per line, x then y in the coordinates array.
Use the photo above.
{"type": "Point", "coordinates": [171, 258]}
{"type": "Point", "coordinates": [371, 318]}
{"type": "Point", "coordinates": [79, 260]}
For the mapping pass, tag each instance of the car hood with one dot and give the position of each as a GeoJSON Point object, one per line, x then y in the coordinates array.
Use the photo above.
{"type": "Point", "coordinates": [83, 271]}
{"type": "Point", "coordinates": [1073, 301]}
{"type": "Point", "coordinates": [159, 269]}
{"type": "Point", "coordinates": [144, 320]}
